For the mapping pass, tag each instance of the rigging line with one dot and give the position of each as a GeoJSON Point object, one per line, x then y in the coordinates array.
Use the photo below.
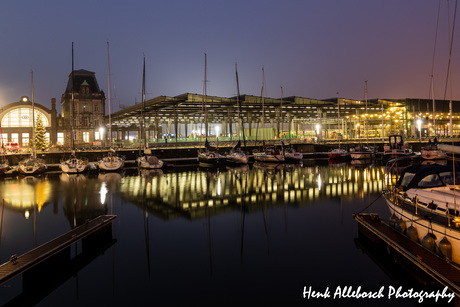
{"type": "Point", "coordinates": [434, 48]}
{"type": "Point", "coordinates": [369, 205]}
{"type": "Point", "coordinates": [451, 41]}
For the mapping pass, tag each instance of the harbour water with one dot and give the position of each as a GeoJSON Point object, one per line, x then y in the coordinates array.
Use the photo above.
{"type": "Point", "coordinates": [235, 236]}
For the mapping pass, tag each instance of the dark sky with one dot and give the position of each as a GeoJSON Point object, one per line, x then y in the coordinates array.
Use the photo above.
{"type": "Point", "coordinates": [313, 48]}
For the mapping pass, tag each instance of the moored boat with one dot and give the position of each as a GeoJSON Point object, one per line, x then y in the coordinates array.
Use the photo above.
{"type": "Point", "coordinates": [111, 162]}
{"type": "Point", "coordinates": [338, 154]}
{"type": "Point", "coordinates": [424, 206]}
{"type": "Point", "coordinates": [236, 155]}
{"type": "Point", "coordinates": [32, 166]}
{"type": "Point", "coordinates": [432, 152]}
{"type": "Point", "coordinates": [362, 152]}
{"type": "Point", "coordinates": [291, 155]}
{"type": "Point", "coordinates": [396, 148]}
{"type": "Point", "coordinates": [73, 165]}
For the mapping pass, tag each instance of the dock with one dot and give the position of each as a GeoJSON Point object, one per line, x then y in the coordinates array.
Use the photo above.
{"type": "Point", "coordinates": [435, 266]}
{"type": "Point", "coordinates": [24, 262]}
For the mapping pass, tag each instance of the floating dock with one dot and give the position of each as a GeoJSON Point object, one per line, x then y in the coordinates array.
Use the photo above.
{"type": "Point", "coordinates": [435, 266]}
{"type": "Point", "coordinates": [22, 263]}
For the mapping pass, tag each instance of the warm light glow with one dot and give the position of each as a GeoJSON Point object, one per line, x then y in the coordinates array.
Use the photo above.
{"type": "Point", "coordinates": [103, 191]}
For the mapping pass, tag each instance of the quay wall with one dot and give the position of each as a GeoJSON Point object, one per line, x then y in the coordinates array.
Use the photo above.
{"type": "Point", "coordinates": [182, 151]}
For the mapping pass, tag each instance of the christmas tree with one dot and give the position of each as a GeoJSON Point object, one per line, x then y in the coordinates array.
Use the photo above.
{"type": "Point", "coordinates": [40, 134]}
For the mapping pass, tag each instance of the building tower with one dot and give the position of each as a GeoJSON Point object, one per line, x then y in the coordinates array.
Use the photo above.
{"type": "Point", "coordinates": [85, 108]}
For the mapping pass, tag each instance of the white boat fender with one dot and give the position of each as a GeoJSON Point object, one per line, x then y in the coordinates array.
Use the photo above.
{"type": "Point", "coordinates": [411, 233]}
{"type": "Point", "coordinates": [445, 247]}
{"type": "Point", "coordinates": [429, 242]}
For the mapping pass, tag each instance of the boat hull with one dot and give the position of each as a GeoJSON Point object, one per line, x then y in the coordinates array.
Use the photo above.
{"type": "Point", "coordinates": [268, 158]}
{"type": "Point", "coordinates": [73, 166]}
{"type": "Point", "coordinates": [149, 162]}
{"type": "Point", "coordinates": [424, 226]}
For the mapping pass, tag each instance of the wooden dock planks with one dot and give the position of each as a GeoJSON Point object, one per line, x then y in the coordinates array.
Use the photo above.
{"type": "Point", "coordinates": [22, 263]}
{"type": "Point", "coordinates": [445, 273]}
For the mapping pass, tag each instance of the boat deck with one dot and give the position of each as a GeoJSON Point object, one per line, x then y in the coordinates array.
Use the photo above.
{"type": "Point", "coordinates": [437, 267]}
{"type": "Point", "coordinates": [22, 263]}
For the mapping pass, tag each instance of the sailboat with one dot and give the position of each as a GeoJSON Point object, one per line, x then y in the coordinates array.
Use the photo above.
{"type": "Point", "coordinates": [210, 157]}
{"type": "Point", "coordinates": [146, 160]}
{"type": "Point", "coordinates": [110, 161]}
{"type": "Point", "coordinates": [269, 154]}
{"type": "Point", "coordinates": [32, 165]}
{"type": "Point", "coordinates": [236, 155]}
{"type": "Point", "coordinates": [338, 153]}
{"type": "Point", "coordinates": [73, 165]}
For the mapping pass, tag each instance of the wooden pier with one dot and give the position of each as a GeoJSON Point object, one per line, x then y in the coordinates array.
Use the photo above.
{"type": "Point", "coordinates": [22, 263]}
{"type": "Point", "coordinates": [435, 266]}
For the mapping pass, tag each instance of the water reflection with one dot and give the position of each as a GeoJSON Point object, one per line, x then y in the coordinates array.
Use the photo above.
{"type": "Point", "coordinates": [189, 193]}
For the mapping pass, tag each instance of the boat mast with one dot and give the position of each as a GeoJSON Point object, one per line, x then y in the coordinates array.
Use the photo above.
{"type": "Point", "coordinates": [263, 108]}
{"type": "Point", "coordinates": [108, 81]}
{"type": "Point", "coordinates": [281, 113]}
{"type": "Point", "coordinates": [73, 106]}
{"type": "Point", "coordinates": [142, 132]}
{"type": "Point", "coordinates": [205, 94]}
{"type": "Point", "coordinates": [367, 127]}
{"type": "Point", "coordinates": [240, 119]}
{"type": "Point", "coordinates": [33, 117]}
{"type": "Point", "coordinates": [338, 115]}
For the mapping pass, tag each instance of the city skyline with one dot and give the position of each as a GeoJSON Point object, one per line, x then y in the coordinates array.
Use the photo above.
{"type": "Point", "coordinates": [311, 49]}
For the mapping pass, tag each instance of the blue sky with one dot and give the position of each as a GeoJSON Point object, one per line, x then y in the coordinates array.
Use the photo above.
{"type": "Point", "coordinates": [312, 48]}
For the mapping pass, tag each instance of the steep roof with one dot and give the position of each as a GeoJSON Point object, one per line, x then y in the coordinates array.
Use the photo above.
{"type": "Point", "coordinates": [80, 76]}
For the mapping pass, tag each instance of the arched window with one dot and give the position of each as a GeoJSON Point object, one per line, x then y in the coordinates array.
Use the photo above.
{"type": "Point", "coordinates": [22, 117]}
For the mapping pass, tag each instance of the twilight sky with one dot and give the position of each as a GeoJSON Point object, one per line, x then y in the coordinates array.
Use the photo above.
{"type": "Point", "coordinates": [313, 48]}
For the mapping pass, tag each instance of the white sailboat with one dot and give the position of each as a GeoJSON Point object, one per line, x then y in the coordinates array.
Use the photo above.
{"type": "Point", "coordinates": [209, 157]}
{"type": "Point", "coordinates": [110, 161]}
{"type": "Point", "coordinates": [236, 155]}
{"type": "Point", "coordinates": [73, 165]}
{"type": "Point", "coordinates": [146, 160]}
{"type": "Point", "coordinates": [269, 153]}
{"type": "Point", "coordinates": [32, 165]}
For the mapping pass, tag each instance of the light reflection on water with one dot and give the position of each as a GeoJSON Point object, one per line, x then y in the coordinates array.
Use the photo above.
{"type": "Point", "coordinates": [232, 235]}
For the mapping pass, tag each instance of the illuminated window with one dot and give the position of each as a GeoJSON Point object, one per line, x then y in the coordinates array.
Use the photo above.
{"type": "Point", "coordinates": [4, 137]}
{"type": "Point", "coordinates": [22, 117]}
{"type": "Point", "coordinates": [97, 135]}
{"type": "Point", "coordinates": [47, 138]}
{"type": "Point", "coordinates": [86, 137]}
{"type": "Point", "coordinates": [25, 139]}
{"type": "Point", "coordinates": [60, 138]}
{"type": "Point", "coordinates": [15, 137]}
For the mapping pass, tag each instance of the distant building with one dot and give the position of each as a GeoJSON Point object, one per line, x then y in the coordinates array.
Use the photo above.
{"type": "Point", "coordinates": [83, 110]}
{"type": "Point", "coordinates": [16, 121]}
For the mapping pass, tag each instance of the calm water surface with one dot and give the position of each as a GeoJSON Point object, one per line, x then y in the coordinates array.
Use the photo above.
{"type": "Point", "coordinates": [230, 237]}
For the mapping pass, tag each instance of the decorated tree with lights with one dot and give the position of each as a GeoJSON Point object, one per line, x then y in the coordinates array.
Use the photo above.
{"type": "Point", "coordinates": [40, 134]}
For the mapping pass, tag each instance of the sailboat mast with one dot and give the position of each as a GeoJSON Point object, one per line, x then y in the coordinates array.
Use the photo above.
{"type": "Point", "coordinates": [240, 119]}
{"type": "Point", "coordinates": [338, 115]}
{"type": "Point", "coordinates": [434, 104]}
{"type": "Point", "coordinates": [205, 94]}
{"type": "Point", "coordinates": [72, 136]}
{"type": "Point", "coordinates": [33, 116]}
{"type": "Point", "coordinates": [143, 108]}
{"type": "Point", "coordinates": [281, 112]}
{"type": "Point", "coordinates": [108, 81]}
{"type": "Point", "coordinates": [367, 127]}
{"type": "Point", "coordinates": [263, 108]}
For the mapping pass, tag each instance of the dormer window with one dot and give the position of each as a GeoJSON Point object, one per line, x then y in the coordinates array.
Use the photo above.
{"type": "Point", "coordinates": [84, 88]}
